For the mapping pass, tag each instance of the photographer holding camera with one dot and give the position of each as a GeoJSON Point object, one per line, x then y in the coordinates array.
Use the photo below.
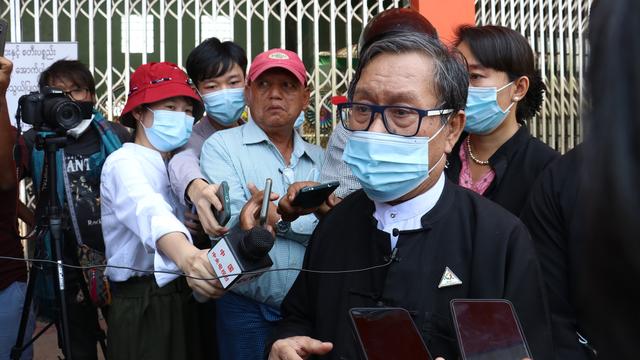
{"type": "Point", "coordinates": [65, 107]}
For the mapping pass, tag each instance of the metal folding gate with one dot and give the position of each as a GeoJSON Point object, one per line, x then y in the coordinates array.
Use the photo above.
{"type": "Point", "coordinates": [115, 36]}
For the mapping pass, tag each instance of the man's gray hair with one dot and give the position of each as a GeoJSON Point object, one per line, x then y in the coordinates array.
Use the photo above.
{"type": "Point", "coordinates": [451, 79]}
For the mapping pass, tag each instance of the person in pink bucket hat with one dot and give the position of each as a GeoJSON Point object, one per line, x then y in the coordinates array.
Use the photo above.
{"type": "Point", "coordinates": [150, 317]}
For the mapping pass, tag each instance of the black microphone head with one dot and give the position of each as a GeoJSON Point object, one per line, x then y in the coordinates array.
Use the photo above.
{"type": "Point", "coordinates": [256, 243]}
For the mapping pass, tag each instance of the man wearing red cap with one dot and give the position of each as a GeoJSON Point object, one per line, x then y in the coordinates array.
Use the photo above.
{"type": "Point", "coordinates": [266, 147]}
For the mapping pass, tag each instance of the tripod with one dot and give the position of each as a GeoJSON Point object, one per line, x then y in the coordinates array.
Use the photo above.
{"type": "Point", "coordinates": [50, 144]}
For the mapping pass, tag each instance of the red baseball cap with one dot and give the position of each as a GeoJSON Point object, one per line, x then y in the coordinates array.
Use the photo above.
{"type": "Point", "coordinates": [157, 81]}
{"type": "Point", "coordinates": [278, 58]}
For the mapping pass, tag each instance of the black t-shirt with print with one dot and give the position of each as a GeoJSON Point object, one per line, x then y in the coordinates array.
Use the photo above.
{"type": "Point", "coordinates": [84, 186]}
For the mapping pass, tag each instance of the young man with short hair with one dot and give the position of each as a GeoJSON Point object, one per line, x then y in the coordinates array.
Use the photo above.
{"type": "Point", "coordinates": [217, 70]}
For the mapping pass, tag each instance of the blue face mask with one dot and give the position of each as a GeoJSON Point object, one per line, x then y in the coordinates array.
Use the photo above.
{"type": "Point", "coordinates": [170, 129]}
{"type": "Point", "coordinates": [299, 121]}
{"type": "Point", "coordinates": [224, 106]}
{"type": "Point", "coordinates": [483, 112]}
{"type": "Point", "coordinates": [388, 166]}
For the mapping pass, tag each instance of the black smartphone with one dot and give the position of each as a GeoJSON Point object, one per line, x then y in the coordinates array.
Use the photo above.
{"type": "Point", "coordinates": [222, 216]}
{"type": "Point", "coordinates": [4, 26]}
{"type": "Point", "coordinates": [314, 196]}
{"type": "Point", "coordinates": [387, 334]}
{"type": "Point", "coordinates": [488, 330]}
{"type": "Point", "coordinates": [264, 210]}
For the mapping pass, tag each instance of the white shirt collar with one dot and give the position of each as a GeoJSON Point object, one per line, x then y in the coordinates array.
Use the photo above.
{"type": "Point", "coordinates": [407, 215]}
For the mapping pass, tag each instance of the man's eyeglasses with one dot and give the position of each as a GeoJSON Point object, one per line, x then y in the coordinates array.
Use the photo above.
{"type": "Point", "coordinates": [77, 94]}
{"type": "Point", "coordinates": [398, 120]}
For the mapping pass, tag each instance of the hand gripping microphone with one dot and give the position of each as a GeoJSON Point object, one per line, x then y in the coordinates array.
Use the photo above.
{"type": "Point", "coordinates": [239, 253]}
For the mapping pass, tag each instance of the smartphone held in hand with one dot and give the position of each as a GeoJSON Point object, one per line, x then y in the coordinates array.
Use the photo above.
{"type": "Point", "coordinates": [314, 196]}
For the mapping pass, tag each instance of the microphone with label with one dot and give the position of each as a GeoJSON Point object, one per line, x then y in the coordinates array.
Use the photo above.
{"type": "Point", "coordinates": [240, 252]}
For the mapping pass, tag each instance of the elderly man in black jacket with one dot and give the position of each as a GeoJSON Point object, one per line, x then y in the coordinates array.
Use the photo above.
{"type": "Point", "coordinates": [406, 114]}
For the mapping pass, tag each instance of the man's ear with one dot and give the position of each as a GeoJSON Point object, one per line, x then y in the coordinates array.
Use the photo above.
{"type": "Point", "coordinates": [455, 127]}
{"type": "Point", "coordinates": [247, 93]}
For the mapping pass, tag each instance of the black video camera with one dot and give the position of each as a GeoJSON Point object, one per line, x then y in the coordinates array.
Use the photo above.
{"type": "Point", "coordinates": [49, 110]}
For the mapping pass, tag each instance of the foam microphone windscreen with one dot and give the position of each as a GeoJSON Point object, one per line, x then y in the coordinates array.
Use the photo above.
{"type": "Point", "coordinates": [257, 243]}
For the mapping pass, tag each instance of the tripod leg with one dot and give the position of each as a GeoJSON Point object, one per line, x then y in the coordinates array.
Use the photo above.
{"type": "Point", "coordinates": [55, 226]}
{"type": "Point", "coordinates": [18, 349]}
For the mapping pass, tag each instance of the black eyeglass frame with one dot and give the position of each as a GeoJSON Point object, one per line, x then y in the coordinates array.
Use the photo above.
{"type": "Point", "coordinates": [375, 109]}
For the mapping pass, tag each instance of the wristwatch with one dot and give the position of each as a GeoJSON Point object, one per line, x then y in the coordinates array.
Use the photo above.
{"type": "Point", "coordinates": [282, 227]}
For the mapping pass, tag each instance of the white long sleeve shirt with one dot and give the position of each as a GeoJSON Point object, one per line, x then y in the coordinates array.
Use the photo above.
{"type": "Point", "coordinates": [138, 208]}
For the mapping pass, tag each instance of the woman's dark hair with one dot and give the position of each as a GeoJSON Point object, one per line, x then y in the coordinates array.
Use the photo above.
{"type": "Point", "coordinates": [213, 58]}
{"type": "Point", "coordinates": [506, 50]}
{"type": "Point", "coordinates": [71, 70]}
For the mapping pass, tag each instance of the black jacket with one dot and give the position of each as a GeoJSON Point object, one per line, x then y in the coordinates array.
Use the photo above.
{"type": "Point", "coordinates": [485, 246]}
{"type": "Point", "coordinates": [555, 216]}
{"type": "Point", "coordinates": [517, 164]}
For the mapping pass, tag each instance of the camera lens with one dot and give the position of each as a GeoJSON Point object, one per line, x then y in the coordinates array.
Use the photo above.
{"type": "Point", "coordinates": [61, 113]}
{"type": "Point", "coordinates": [68, 115]}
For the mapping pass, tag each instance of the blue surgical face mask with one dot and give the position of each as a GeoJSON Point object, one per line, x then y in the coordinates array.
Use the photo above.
{"type": "Point", "coordinates": [224, 106]}
{"type": "Point", "coordinates": [388, 166]}
{"type": "Point", "coordinates": [299, 121]}
{"type": "Point", "coordinates": [170, 129]}
{"type": "Point", "coordinates": [483, 112]}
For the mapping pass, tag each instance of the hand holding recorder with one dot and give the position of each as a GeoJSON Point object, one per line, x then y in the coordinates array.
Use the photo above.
{"type": "Point", "coordinates": [250, 215]}
{"type": "Point", "coordinates": [306, 197]}
{"type": "Point", "coordinates": [211, 203]}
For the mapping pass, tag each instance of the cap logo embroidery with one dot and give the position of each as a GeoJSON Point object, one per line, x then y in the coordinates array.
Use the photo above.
{"type": "Point", "coordinates": [278, 56]}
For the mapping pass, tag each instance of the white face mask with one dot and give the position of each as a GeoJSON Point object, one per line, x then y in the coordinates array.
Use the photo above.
{"type": "Point", "coordinates": [79, 129]}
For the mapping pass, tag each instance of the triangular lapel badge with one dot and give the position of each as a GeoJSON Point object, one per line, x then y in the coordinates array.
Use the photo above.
{"type": "Point", "coordinates": [449, 279]}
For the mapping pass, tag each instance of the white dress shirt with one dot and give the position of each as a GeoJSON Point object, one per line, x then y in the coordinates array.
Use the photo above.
{"type": "Point", "coordinates": [138, 208]}
{"type": "Point", "coordinates": [407, 215]}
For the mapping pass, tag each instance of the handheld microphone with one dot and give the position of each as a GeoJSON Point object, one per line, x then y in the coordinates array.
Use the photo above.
{"type": "Point", "coordinates": [246, 251]}
{"type": "Point", "coordinates": [237, 253]}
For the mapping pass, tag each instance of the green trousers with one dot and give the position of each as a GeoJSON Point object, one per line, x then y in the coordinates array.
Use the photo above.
{"type": "Point", "coordinates": [148, 322]}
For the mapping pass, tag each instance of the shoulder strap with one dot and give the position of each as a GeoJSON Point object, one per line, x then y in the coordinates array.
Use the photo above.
{"type": "Point", "coordinates": [109, 138]}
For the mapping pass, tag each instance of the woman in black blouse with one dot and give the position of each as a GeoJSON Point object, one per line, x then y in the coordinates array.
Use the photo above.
{"type": "Point", "coordinates": [497, 157]}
